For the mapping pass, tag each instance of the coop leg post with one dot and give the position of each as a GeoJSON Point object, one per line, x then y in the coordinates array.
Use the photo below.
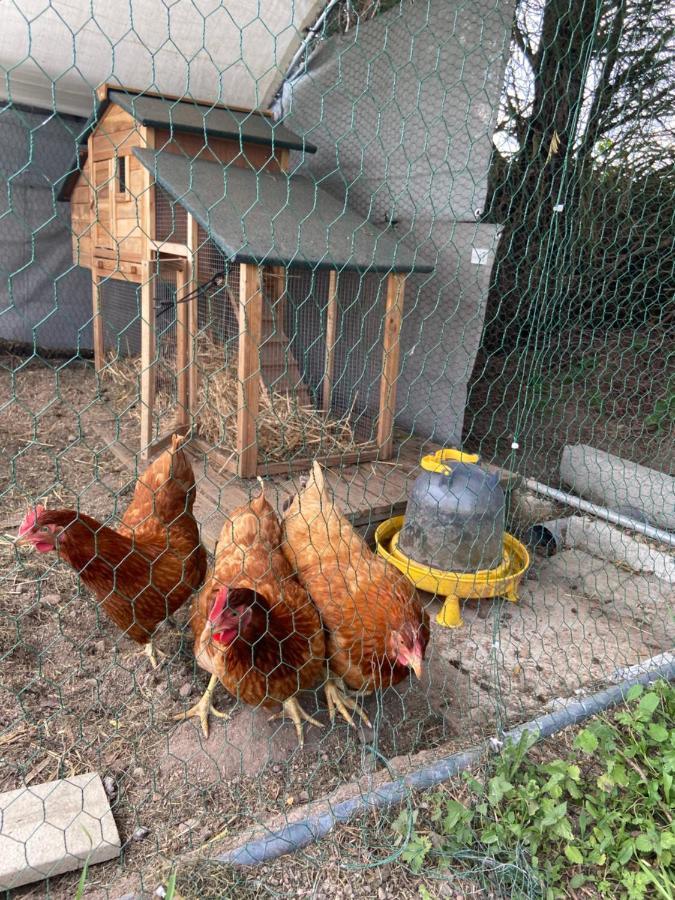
{"type": "Point", "coordinates": [182, 352]}
{"type": "Point", "coordinates": [250, 330]}
{"type": "Point", "coordinates": [99, 348]}
{"type": "Point", "coordinates": [193, 313]}
{"type": "Point", "coordinates": [390, 359]}
{"type": "Point", "coordinates": [331, 324]}
{"type": "Point", "coordinates": [147, 361]}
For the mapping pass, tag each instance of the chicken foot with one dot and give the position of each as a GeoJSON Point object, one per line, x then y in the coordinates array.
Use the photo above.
{"type": "Point", "coordinates": [152, 653]}
{"type": "Point", "coordinates": [337, 699]}
{"type": "Point", "coordinates": [295, 712]}
{"type": "Point", "coordinates": [204, 708]}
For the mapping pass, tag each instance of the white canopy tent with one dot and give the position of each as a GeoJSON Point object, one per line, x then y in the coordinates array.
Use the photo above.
{"type": "Point", "coordinates": [54, 54]}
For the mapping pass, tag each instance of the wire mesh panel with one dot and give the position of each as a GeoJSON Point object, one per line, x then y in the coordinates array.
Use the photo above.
{"type": "Point", "coordinates": [411, 264]}
{"type": "Point", "coordinates": [170, 218]}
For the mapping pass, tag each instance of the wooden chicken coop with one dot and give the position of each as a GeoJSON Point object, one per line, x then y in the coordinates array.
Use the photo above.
{"type": "Point", "coordinates": [263, 313]}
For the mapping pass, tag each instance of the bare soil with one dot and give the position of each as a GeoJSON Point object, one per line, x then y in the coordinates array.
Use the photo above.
{"type": "Point", "coordinates": [74, 697]}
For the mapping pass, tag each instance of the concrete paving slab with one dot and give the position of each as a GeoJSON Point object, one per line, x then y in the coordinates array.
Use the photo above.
{"type": "Point", "coordinates": [51, 828]}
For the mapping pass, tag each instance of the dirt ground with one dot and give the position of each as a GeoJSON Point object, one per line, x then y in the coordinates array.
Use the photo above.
{"type": "Point", "coordinates": [75, 698]}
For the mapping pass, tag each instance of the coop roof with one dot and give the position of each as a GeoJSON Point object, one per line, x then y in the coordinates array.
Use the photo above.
{"type": "Point", "coordinates": [203, 118]}
{"type": "Point", "coordinates": [277, 219]}
{"type": "Point", "coordinates": [185, 116]}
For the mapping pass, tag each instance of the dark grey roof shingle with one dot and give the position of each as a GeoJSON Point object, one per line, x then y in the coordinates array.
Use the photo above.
{"type": "Point", "coordinates": [277, 219]}
{"type": "Point", "coordinates": [186, 115]}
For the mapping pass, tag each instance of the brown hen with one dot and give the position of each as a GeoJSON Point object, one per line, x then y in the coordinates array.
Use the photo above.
{"type": "Point", "coordinates": [376, 627]}
{"type": "Point", "coordinates": [146, 569]}
{"type": "Point", "coordinates": [256, 630]}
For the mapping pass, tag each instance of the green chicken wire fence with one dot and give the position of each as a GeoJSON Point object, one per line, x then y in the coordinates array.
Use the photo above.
{"type": "Point", "coordinates": [351, 232]}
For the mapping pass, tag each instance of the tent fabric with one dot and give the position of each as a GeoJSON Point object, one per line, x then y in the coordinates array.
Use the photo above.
{"type": "Point", "coordinates": [55, 55]}
{"type": "Point", "coordinates": [403, 111]}
{"type": "Point", "coordinates": [44, 298]}
{"type": "Point", "coordinates": [276, 219]}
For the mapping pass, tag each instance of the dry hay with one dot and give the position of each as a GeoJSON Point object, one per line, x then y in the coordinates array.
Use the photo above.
{"type": "Point", "coordinates": [284, 426]}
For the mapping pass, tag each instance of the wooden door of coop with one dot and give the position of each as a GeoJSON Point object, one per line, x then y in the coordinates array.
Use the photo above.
{"type": "Point", "coordinates": [272, 367]}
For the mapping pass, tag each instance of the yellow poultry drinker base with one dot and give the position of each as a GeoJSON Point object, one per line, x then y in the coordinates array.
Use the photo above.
{"type": "Point", "coordinates": [503, 581]}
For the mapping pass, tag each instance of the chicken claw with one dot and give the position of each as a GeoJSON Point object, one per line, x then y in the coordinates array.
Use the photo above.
{"type": "Point", "coordinates": [297, 713]}
{"type": "Point", "coordinates": [152, 653]}
{"type": "Point", "coordinates": [203, 709]}
{"type": "Point", "coordinates": [337, 699]}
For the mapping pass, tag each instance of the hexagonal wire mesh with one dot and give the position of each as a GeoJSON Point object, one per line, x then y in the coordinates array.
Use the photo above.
{"type": "Point", "coordinates": [455, 231]}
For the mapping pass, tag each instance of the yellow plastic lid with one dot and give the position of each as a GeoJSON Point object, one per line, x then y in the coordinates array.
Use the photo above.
{"type": "Point", "coordinates": [438, 461]}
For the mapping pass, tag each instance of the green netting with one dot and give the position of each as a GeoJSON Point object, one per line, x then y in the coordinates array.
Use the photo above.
{"type": "Point", "coordinates": [415, 226]}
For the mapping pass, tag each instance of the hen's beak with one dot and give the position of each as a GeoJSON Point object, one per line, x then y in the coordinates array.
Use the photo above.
{"type": "Point", "coordinates": [417, 666]}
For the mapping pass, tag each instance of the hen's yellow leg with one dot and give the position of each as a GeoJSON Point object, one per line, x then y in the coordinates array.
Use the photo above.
{"type": "Point", "coordinates": [204, 708]}
{"type": "Point", "coordinates": [338, 700]}
{"type": "Point", "coordinates": [294, 711]}
{"type": "Point", "coordinates": [152, 652]}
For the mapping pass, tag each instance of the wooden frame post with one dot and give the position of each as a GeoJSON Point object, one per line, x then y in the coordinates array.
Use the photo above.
{"type": "Point", "coordinates": [182, 351]}
{"type": "Point", "coordinates": [250, 332]}
{"type": "Point", "coordinates": [331, 326]}
{"type": "Point", "coordinates": [147, 358]}
{"type": "Point", "coordinates": [390, 363]}
{"type": "Point", "coordinates": [191, 284]}
{"type": "Point", "coordinates": [97, 323]}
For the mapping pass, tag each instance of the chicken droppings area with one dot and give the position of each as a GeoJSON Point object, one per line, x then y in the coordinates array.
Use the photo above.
{"type": "Point", "coordinates": [75, 696]}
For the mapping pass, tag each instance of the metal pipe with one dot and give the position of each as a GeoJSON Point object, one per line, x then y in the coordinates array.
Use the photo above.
{"type": "Point", "coordinates": [312, 32]}
{"type": "Point", "coordinates": [306, 831]}
{"type": "Point", "coordinates": [657, 534]}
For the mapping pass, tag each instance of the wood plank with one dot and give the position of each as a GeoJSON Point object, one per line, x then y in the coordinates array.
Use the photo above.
{"type": "Point", "coordinates": [147, 404]}
{"type": "Point", "coordinates": [255, 156]}
{"type": "Point", "coordinates": [336, 459]}
{"type": "Point", "coordinates": [170, 247]}
{"type": "Point", "coordinates": [331, 326]}
{"type": "Point", "coordinates": [182, 349]}
{"type": "Point", "coordinates": [250, 330]}
{"type": "Point", "coordinates": [99, 344]}
{"type": "Point", "coordinates": [391, 348]}
{"type": "Point", "coordinates": [148, 196]}
{"type": "Point", "coordinates": [191, 276]}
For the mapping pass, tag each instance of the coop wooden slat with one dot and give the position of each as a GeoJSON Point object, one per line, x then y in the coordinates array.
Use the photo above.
{"type": "Point", "coordinates": [331, 326]}
{"type": "Point", "coordinates": [193, 307]}
{"type": "Point", "coordinates": [390, 363]}
{"type": "Point", "coordinates": [147, 360]}
{"type": "Point", "coordinates": [182, 349]}
{"type": "Point", "coordinates": [250, 328]}
{"type": "Point", "coordinates": [99, 345]}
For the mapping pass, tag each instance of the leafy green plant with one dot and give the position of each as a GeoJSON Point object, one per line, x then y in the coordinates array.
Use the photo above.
{"type": "Point", "coordinates": [601, 816]}
{"type": "Point", "coordinates": [662, 416]}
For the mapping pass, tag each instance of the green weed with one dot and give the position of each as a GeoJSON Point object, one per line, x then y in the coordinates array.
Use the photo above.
{"type": "Point", "coordinates": [599, 817]}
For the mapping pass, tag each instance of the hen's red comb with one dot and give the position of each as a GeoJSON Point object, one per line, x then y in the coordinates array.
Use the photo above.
{"type": "Point", "coordinates": [219, 605]}
{"type": "Point", "coordinates": [30, 519]}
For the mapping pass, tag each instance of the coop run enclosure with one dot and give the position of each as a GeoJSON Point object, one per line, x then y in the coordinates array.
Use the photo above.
{"type": "Point", "coordinates": [239, 240]}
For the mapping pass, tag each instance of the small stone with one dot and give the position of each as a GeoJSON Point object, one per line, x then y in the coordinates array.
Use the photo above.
{"type": "Point", "coordinates": [381, 894]}
{"type": "Point", "coordinates": [50, 599]}
{"type": "Point", "coordinates": [139, 773]}
{"type": "Point", "coordinates": [185, 690]}
{"type": "Point", "coordinates": [99, 647]}
{"type": "Point", "coordinates": [140, 833]}
{"type": "Point", "coordinates": [303, 796]}
{"type": "Point", "coordinates": [110, 787]}
{"type": "Point", "coordinates": [276, 769]}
